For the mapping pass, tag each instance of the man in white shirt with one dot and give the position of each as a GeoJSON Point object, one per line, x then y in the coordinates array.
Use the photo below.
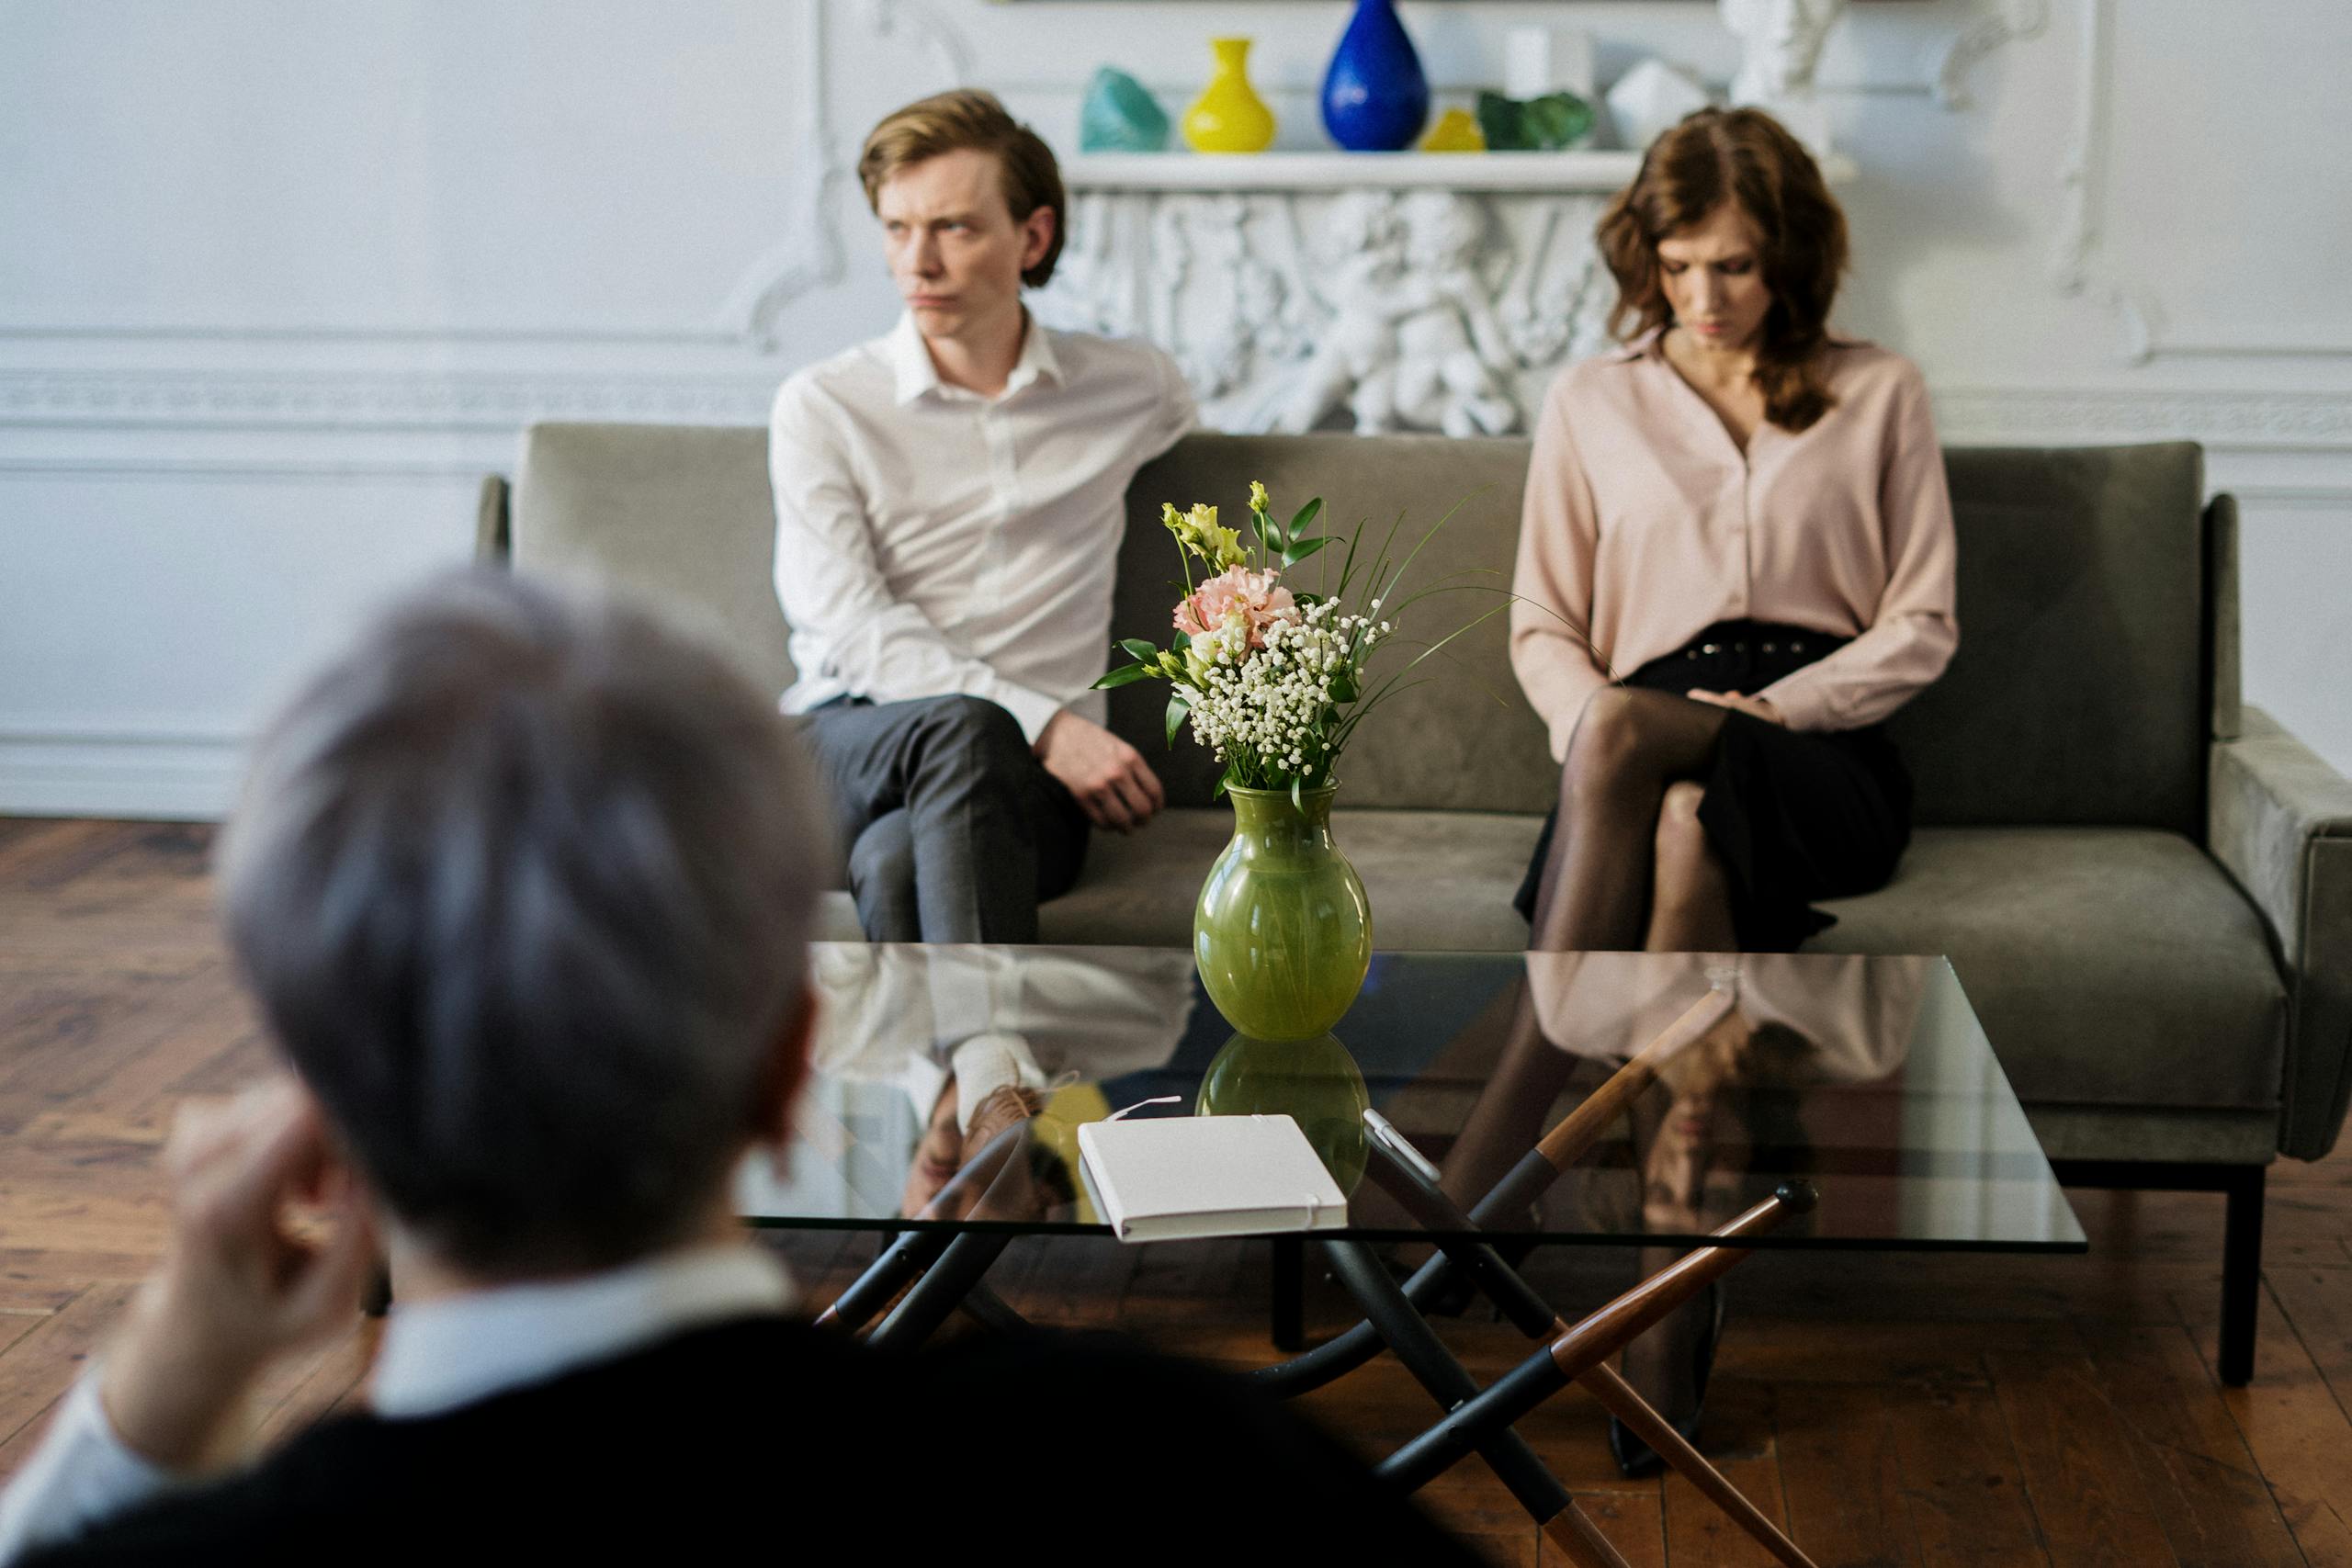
{"type": "Point", "coordinates": [950, 498]}
{"type": "Point", "coordinates": [521, 884]}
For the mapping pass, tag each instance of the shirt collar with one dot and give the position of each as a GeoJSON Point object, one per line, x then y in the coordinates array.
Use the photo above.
{"type": "Point", "coordinates": [1037, 356]}
{"type": "Point", "coordinates": [1650, 346]}
{"type": "Point", "coordinates": [913, 374]}
{"type": "Point", "coordinates": [1641, 347]}
{"type": "Point", "coordinates": [456, 1350]}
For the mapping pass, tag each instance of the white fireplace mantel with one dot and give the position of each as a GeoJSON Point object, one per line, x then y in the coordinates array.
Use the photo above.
{"type": "Point", "coordinates": [1383, 292]}
{"type": "Point", "coordinates": [1595, 173]}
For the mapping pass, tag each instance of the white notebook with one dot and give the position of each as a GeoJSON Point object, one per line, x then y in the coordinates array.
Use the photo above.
{"type": "Point", "coordinates": [1173, 1177]}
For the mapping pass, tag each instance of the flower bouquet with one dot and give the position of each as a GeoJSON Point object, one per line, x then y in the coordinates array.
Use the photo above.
{"type": "Point", "coordinates": [1273, 677]}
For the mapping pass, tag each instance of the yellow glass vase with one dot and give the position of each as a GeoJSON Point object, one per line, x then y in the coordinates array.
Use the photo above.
{"type": "Point", "coordinates": [1229, 116]}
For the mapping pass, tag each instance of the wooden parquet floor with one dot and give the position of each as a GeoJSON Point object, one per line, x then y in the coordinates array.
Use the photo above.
{"type": "Point", "coordinates": [1891, 1411]}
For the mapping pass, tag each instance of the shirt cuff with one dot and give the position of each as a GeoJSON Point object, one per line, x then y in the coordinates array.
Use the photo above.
{"type": "Point", "coordinates": [987, 1063]}
{"type": "Point", "coordinates": [81, 1475]}
{"type": "Point", "coordinates": [1032, 710]}
{"type": "Point", "coordinates": [1801, 706]}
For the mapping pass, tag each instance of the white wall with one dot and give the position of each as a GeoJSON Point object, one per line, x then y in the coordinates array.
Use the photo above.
{"type": "Point", "coordinates": [278, 280]}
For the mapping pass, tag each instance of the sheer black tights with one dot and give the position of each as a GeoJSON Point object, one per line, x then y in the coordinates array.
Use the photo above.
{"type": "Point", "coordinates": [1630, 867]}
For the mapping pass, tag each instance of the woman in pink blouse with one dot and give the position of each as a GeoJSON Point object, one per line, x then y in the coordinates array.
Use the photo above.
{"type": "Point", "coordinates": [1735, 561]}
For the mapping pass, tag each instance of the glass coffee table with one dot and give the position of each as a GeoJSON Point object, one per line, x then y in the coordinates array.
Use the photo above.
{"type": "Point", "coordinates": [1701, 1104]}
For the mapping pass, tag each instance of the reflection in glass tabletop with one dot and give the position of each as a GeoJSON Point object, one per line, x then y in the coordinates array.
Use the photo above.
{"type": "Point", "coordinates": [948, 1084]}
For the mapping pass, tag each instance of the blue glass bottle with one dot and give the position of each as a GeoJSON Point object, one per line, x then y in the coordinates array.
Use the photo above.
{"type": "Point", "coordinates": [1375, 98]}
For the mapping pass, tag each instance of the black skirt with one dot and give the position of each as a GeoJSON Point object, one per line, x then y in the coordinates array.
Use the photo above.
{"type": "Point", "coordinates": [1795, 814]}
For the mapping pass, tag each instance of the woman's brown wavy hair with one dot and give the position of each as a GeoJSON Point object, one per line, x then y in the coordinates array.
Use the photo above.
{"type": "Point", "coordinates": [1747, 157]}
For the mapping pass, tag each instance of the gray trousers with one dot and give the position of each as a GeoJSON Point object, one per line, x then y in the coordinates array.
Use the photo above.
{"type": "Point", "coordinates": [955, 830]}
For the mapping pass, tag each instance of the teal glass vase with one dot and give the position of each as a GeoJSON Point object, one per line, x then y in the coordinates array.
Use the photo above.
{"type": "Point", "coordinates": [1314, 1082]}
{"type": "Point", "coordinates": [1282, 932]}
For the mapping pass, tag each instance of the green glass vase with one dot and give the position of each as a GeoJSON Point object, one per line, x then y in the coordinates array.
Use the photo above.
{"type": "Point", "coordinates": [1282, 933]}
{"type": "Point", "coordinates": [1314, 1082]}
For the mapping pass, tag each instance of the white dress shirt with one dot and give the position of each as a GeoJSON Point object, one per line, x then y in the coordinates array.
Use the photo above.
{"type": "Point", "coordinates": [437, 1356]}
{"type": "Point", "coordinates": [931, 541]}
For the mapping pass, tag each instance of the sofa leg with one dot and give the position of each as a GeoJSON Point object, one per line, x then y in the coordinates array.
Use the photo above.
{"type": "Point", "coordinates": [2242, 1188]}
{"type": "Point", "coordinates": [2241, 1275]}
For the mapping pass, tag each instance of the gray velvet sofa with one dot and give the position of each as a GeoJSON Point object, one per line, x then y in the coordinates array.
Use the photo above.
{"type": "Point", "coordinates": [2146, 888]}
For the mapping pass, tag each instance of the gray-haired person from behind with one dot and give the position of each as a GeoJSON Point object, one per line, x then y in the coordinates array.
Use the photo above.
{"type": "Point", "coordinates": [524, 888]}
{"type": "Point", "coordinates": [521, 884]}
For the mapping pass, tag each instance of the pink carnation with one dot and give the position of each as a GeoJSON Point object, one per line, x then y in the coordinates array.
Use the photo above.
{"type": "Point", "coordinates": [1258, 595]}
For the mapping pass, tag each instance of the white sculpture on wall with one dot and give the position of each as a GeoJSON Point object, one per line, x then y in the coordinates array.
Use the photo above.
{"type": "Point", "coordinates": [1362, 245]}
{"type": "Point", "coordinates": [1369, 309]}
{"type": "Point", "coordinates": [1781, 45]}
{"type": "Point", "coordinates": [1450, 352]}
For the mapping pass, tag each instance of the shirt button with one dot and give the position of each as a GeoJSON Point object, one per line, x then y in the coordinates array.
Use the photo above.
{"type": "Point", "coordinates": [1708, 647]}
{"type": "Point", "coordinates": [1769, 648]}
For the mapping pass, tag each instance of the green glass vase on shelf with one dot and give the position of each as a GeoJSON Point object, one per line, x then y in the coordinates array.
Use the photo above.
{"type": "Point", "coordinates": [1229, 116]}
{"type": "Point", "coordinates": [1314, 1082]}
{"type": "Point", "coordinates": [1283, 932]}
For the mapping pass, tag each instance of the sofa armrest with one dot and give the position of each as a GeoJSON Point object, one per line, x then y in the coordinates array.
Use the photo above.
{"type": "Point", "coordinates": [2279, 820]}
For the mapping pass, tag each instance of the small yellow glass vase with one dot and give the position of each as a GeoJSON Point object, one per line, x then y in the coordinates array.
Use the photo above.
{"type": "Point", "coordinates": [1229, 116]}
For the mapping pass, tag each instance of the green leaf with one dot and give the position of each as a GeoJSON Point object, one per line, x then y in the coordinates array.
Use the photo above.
{"type": "Point", "coordinates": [1183, 640]}
{"type": "Point", "coordinates": [1298, 793]}
{"type": "Point", "coordinates": [1139, 648]}
{"type": "Point", "coordinates": [1176, 708]}
{"type": "Point", "coordinates": [1299, 552]}
{"type": "Point", "coordinates": [1305, 516]}
{"type": "Point", "coordinates": [1126, 677]}
{"type": "Point", "coordinates": [1343, 686]}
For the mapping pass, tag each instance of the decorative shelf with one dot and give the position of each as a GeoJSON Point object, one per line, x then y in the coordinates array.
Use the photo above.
{"type": "Point", "coordinates": [1597, 173]}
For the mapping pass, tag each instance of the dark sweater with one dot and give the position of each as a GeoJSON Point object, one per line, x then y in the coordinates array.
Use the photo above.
{"type": "Point", "coordinates": [765, 1441]}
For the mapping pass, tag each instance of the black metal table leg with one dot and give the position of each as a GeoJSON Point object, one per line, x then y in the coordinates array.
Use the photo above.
{"type": "Point", "coordinates": [1433, 1366]}
{"type": "Point", "coordinates": [909, 1254]}
{"type": "Point", "coordinates": [940, 1291]}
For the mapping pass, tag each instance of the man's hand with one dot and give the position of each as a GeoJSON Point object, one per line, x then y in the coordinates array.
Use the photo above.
{"type": "Point", "coordinates": [239, 1286]}
{"type": "Point", "coordinates": [1755, 707]}
{"type": "Point", "coordinates": [1114, 786]}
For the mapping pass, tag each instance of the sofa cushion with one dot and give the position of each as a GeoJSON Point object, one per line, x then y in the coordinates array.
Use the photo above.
{"type": "Point", "coordinates": [680, 515]}
{"type": "Point", "coordinates": [2083, 582]}
{"type": "Point", "coordinates": [2110, 965]}
{"type": "Point", "coordinates": [2079, 692]}
{"type": "Point", "coordinates": [1138, 890]}
{"type": "Point", "coordinates": [1412, 750]}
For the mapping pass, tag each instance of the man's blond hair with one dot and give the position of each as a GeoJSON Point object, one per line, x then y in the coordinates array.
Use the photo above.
{"type": "Point", "coordinates": [968, 117]}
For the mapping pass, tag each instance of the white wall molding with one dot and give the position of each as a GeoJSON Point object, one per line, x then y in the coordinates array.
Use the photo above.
{"type": "Point", "coordinates": [2334, 498]}
{"type": "Point", "coordinates": [424, 470]}
{"type": "Point", "coordinates": [437, 401]}
{"type": "Point", "coordinates": [2291, 422]}
{"type": "Point", "coordinates": [180, 778]}
{"type": "Point", "coordinates": [2081, 186]}
{"type": "Point", "coordinates": [372, 400]}
{"type": "Point", "coordinates": [2002, 22]}
{"type": "Point", "coordinates": [2082, 173]}
{"type": "Point", "coordinates": [810, 255]}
